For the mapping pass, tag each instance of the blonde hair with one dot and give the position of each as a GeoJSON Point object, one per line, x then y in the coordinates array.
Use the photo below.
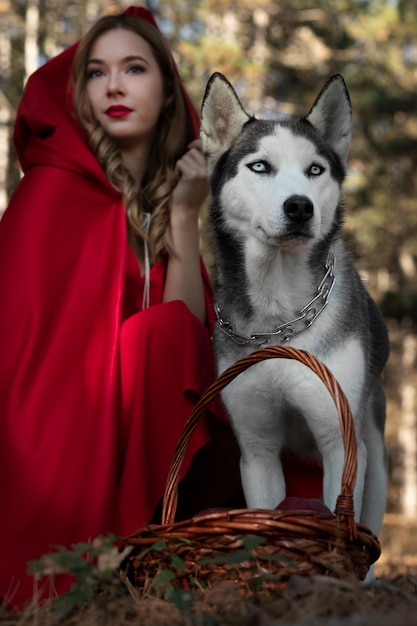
{"type": "Point", "coordinates": [173, 133]}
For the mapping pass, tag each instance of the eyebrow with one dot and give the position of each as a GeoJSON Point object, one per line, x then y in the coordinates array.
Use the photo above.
{"type": "Point", "coordinates": [128, 59]}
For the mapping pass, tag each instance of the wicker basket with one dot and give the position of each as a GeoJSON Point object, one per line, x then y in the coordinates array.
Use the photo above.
{"type": "Point", "coordinates": [257, 549]}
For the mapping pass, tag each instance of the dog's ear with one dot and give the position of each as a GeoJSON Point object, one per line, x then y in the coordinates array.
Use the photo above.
{"type": "Point", "coordinates": [222, 118]}
{"type": "Point", "coordinates": [331, 115]}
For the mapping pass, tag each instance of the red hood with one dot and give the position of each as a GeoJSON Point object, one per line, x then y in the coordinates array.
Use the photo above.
{"type": "Point", "coordinates": [46, 132]}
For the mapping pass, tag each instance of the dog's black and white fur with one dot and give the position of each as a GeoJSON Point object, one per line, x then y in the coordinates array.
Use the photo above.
{"type": "Point", "coordinates": [276, 219]}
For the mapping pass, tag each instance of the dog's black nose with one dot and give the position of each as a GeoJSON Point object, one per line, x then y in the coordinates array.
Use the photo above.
{"type": "Point", "coordinates": [299, 208]}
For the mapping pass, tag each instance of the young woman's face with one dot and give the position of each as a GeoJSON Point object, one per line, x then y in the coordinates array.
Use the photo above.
{"type": "Point", "coordinates": [125, 86]}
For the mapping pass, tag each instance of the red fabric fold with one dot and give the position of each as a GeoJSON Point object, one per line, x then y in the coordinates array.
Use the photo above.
{"type": "Point", "coordinates": [166, 369]}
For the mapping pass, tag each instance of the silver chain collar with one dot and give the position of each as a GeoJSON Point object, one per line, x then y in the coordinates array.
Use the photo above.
{"type": "Point", "coordinates": [290, 329]}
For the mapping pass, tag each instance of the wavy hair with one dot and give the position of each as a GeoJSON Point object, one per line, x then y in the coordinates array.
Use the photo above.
{"type": "Point", "coordinates": [173, 134]}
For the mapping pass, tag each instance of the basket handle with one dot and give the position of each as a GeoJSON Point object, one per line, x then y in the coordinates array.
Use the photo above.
{"type": "Point", "coordinates": [344, 505]}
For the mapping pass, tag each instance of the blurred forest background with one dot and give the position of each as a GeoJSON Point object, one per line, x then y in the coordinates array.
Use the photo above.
{"type": "Point", "coordinates": [278, 54]}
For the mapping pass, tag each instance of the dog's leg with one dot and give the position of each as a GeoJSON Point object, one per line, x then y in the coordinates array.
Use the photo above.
{"type": "Point", "coordinates": [325, 426]}
{"type": "Point", "coordinates": [348, 365]}
{"type": "Point", "coordinates": [258, 430]}
{"type": "Point", "coordinates": [333, 456]}
{"type": "Point", "coordinates": [375, 492]}
{"type": "Point", "coordinates": [370, 488]}
{"type": "Point", "coordinates": [262, 477]}
{"type": "Point", "coordinates": [333, 460]}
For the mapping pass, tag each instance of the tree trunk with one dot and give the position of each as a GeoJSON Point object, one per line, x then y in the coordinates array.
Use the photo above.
{"type": "Point", "coordinates": [5, 132]}
{"type": "Point", "coordinates": [407, 432]}
{"type": "Point", "coordinates": [31, 37]}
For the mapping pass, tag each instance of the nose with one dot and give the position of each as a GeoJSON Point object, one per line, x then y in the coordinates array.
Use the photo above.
{"type": "Point", "coordinates": [114, 84]}
{"type": "Point", "coordinates": [298, 208]}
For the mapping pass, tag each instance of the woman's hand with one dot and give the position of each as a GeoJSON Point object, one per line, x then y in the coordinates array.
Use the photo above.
{"type": "Point", "coordinates": [192, 187]}
{"type": "Point", "coordinates": [184, 281]}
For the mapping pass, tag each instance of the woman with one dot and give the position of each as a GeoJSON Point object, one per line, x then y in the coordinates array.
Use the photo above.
{"type": "Point", "coordinates": [105, 315]}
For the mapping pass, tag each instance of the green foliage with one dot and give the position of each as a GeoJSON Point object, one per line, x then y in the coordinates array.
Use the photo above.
{"type": "Point", "coordinates": [400, 305]}
{"type": "Point", "coordinates": [93, 566]}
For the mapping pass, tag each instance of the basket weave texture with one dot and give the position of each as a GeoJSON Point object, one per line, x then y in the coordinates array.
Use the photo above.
{"type": "Point", "coordinates": [256, 548]}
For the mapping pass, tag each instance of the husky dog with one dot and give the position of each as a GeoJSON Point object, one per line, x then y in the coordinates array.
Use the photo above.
{"type": "Point", "coordinates": [282, 274]}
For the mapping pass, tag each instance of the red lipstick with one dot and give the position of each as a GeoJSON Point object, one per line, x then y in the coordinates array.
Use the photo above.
{"type": "Point", "coordinates": [118, 111]}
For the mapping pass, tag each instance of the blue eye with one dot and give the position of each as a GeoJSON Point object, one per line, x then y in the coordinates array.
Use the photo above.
{"type": "Point", "coordinates": [315, 169]}
{"type": "Point", "coordinates": [260, 167]}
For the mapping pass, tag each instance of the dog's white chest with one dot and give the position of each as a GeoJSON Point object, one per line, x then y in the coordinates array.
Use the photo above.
{"type": "Point", "coordinates": [280, 394]}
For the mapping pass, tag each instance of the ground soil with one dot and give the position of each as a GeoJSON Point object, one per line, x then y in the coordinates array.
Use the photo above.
{"type": "Point", "coordinates": [316, 600]}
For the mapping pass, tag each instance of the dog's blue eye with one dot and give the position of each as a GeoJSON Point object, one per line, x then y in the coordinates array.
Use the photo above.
{"type": "Point", "coordinates": [260, 167]}
{"type": "Point", "coordinates": [315, 170]}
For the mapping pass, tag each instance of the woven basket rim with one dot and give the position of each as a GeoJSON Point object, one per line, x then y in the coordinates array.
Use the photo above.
{"type": "Point", "coordinates": [274, 523]}
{"type": "Point", "coordinates": [344, 506]}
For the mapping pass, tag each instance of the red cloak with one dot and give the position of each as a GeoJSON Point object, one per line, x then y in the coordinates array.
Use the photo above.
{"type": "Point", "coordinates": [93, 391]}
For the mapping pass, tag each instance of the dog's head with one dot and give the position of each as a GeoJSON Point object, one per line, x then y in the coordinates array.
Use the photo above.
{"type": "Point", "coordinates": [277, 181]}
